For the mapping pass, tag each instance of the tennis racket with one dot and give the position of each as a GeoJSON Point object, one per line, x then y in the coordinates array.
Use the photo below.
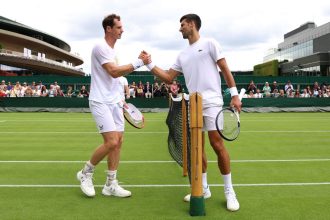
{"type": "Point", "coordinates": [133, 115]}
{"type": "Point", "coordinates": [227, 121]}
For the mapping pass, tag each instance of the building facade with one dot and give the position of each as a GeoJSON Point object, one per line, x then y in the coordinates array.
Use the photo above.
{"type": "Point", "coordinates": [305, 51]}
{"type": "Point", "coordinates": [23, 47]}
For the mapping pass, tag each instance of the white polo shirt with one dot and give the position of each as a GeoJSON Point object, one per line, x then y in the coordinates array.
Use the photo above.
{"type": "Point", "coordinates": [198, 64]}
{"type": "Point", "coordinates": [104, 88]}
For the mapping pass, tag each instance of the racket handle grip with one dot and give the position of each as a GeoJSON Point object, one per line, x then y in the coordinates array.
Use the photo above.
{"type": "Point", "coordinates": [242, 93]}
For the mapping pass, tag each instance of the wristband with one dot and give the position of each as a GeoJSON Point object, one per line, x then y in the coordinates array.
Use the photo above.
{"type": "Point", "coordinates": [150, 66]}
{"type": "Point", "coordinates": [233, 91]}
{"type": "Point", "coordinates": [137, 64]}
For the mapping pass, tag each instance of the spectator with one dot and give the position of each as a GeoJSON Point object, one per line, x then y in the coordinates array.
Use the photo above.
{"type": "Point", "coordinates": [275, 93]}
{"type": "Point", "coordinates": [139, 90]}
{"type": "Point", "coordinates": [164, 90]}
{"type": "Point", "coordinates": [28, 92]}
{"type": "Point", "coordinates": [274, 87]}
{"type": "Point", "coordinates": [80, 95]}
{"type": "Point", "coordinates": [156, 90]}
{"type": "Point", "coordinates": [23, 88]}
{"type": "Point", "coordinates": [9, 86]}
{"type": "Point", "coordinates": [252, 87]}
{"type": "Point", "coordinates": [290, 93]}
{"type": "Point", "coordinates": [59, 92]}
{"type": "Point", "coordinates": [3, 84]}
{"type": "Point", "coordinates": [43, 91]}
{"type": "Point", "coordinates": [3, 90]}
{"type": "Point", "coordinates": [17, 89]}
{"type": "Point", "coordinates": [281, 94]}
{"type": "Point", "coordinates": [297, 94]}
{"type": "Point", "coordinates": [52, 91]}
{"type": "Point", "coordinates": [147, 90]}
{"type": "Point", "coordinates": [309, 91]}
{"type": "Point", "coordinates": [266, 90]}
{"type": "Point", "coordinates": [39, 86]}
{"type": "Point", "coordinates": [258, 94]}
{"type": "Point", "coordinates": [33, 86]}
{"type": "Point", "coordinates": [84, 92]}
{"type": "Point", "coordinates": [250, 95]}
{"type": "Point", "coordinates": [69, 92]}
{"type": "Point", "coordinates": [288, 86]}
{"type": "Point", "coordinates": [132, 89]}
{"type": "Point", "coordinates": [174, 89]}
{"type": "Point", "coordinates": [305, 94]}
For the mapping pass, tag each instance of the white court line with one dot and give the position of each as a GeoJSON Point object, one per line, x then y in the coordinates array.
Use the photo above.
{"type": "Point", "coordinates": [163, 161]}
{"type": "Point", "coordinates": [146, 132]}
{"type": "Point", "coordinates": [163, 185]}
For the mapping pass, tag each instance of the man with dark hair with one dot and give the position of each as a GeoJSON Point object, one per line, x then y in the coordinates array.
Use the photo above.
{"type": "Point", "coordinates": [106, 104]}
{"type": "Point", "coordinates": [200, 63]}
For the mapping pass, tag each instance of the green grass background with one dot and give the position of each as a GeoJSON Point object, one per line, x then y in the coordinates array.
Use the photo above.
{"type": "Point", "coordinates": [73, 137]}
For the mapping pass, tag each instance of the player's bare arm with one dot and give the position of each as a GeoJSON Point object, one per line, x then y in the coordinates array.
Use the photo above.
{"type": "Point", "coordinates": [166, 76]}
{"type": "Point", "coordinates": [117, 71]}
{"type": "Point", "coordinates": [235, 101]}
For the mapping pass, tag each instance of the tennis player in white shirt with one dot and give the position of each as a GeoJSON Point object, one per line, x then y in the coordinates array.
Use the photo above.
{"type": "Point", "coordinates": [105, 103]}
{"type": "Point", "coordinates": [200, 63]}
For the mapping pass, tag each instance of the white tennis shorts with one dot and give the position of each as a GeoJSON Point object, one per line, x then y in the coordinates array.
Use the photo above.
{"type": "Point", "coordinates": [209, 116]}
{"type": "Point", "coordinates": [108, 117]}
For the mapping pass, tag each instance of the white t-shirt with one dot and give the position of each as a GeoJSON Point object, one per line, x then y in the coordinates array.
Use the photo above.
{"type": "Point", "coordinates": [198, 64]}
{"type": "Point", "coordinates": [123, 81]}
{"type": "Point", "coordinates": [104, 88]}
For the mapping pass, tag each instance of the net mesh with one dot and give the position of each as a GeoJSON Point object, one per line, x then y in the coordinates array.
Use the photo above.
{"type": "Point", "coordinates": [174, 121]}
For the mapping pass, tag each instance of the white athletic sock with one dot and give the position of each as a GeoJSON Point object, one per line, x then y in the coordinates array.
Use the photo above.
{"type": "Point", "coordinates": [111, 175]}
{"type": "Point", "coordinates": [204, 180]}
{"type": "Point", "coordinates": [227, 181]}
{"type": "Point", "coordinates": [88, 168]}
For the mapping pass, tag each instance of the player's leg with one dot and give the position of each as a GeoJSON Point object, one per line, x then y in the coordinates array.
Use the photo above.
{"type": "Point", "coordinates": [218, 146]}
{"type": "Point", "coordinates": [106, 126]}
{"type": "Point", "coordinates": [111, 187]}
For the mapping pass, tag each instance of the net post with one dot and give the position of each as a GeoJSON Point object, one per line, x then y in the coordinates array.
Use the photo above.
{"type": "Point", "coordinates": [197, 206]}
{"type": "Point", "coordinates": [184, 138]}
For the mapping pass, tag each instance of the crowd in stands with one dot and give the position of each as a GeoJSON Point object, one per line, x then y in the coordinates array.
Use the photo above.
{"type": "Point", "coordinates": [288, 90]}
{"type": "Point", "coordinates": [160, 89]}
{"type": "Point", "coordinates": [39, 90]}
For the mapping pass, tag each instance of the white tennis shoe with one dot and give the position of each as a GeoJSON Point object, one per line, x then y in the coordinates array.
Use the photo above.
{"type": "Point", "coordinates": [206, 194]}
{"type": "Point", "coordinates": [232, 202]}
{"type": "Point", "coordinates": [86, 183]}
{"type": "Point", "coordinates": [115, 190]}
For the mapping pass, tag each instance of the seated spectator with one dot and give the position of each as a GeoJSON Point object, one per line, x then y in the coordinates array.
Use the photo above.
{"type": "Point", "coordinates": [251, 94]}
{"type": "Point", "coordinates": [59, 92]}
{"type": "Point", "coordinates": [174, 89]}
{"type": "Point", "coordinates": [33, 86]}
{"type": "Point", "coordinates": [281, 94]}
{"type": "Point", "coordinates": [320, 94]}
{"type": "Point", "coordinates": [251, 87]}
{"type": "Point", "coordinates": [147, 90]}
{"type": "Point", "coordinates": [9, 86]}
{"type": "Point", "coordinates": [17, 89]}
{"type": "Point", "coordinates": [156, 90]}
{"type": "Point", "coordinates": [69, 92]}
{"type": "Point", "coordinates": [132, 89]}
{"type": "Point", "coordinates": [266, 90]}
{"type": "Point", "coordinates": [258, 94]}
{"type": "Point", "coordinates": [139, 90]}
{"type": "Point", "coordinates": [305, 94]}
{"type": "Point", "coordinates": [297, 94]}
{"type": "Point", "coordinates": [80, 95]}
{"type": "Point", "coordinates": [84, 92]}
{"type": "Point", "coordinates": [3, 90]}
{"type": "Point", "coordinates": [290, 93]}
{"type": "Point", "coordinates": [52, 91]}
{"type": "Point", "coordinates": [43, 91]}
{"type": "Point", "coordinates": [164, 90]}
{"type": "Point", "coordinates": [309, 91]}
{"type": "Point", "coordinates": [28, 92]}
{"type": "Point", "coordinates": [275, 93]}
{"type": "Point", "coordinates": [23, 88]}
{"type": "Point", "coordinates": [274, 86]}
{"type": "Point", "coordinates": [3, 84]}
{"type": "Point", "coordinates": [288, 86]}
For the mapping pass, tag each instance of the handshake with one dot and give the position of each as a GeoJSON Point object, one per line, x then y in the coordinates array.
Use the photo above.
{"type": "Point", "coordinates": [144, 59]}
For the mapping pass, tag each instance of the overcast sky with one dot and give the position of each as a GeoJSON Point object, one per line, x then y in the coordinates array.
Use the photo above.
{"type": "Point", "coordinates": [245, 29]}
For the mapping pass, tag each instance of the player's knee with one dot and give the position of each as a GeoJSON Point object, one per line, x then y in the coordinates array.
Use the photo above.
{"type": "Point", "coordinates": [112, 144]}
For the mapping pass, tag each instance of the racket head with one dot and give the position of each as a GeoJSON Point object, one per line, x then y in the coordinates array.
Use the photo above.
{"type": "Point", "coordinates": [133, 116]}
{"type": "Point", "coordinates": [228, 124]}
